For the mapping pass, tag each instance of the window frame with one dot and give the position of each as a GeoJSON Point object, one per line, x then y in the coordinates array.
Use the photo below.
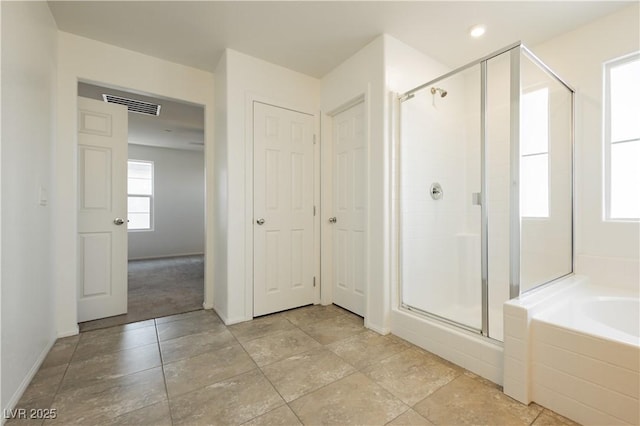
{"type": "Point", "coordinates": [606, 134]}
{"type": "Point", "coordinates": [136, 195]}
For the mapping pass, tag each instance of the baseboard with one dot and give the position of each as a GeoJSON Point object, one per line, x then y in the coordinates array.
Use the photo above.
{"type": "Point", "coordinates": [27, 380]}
{"type": "Point", "coordinates": [230, 321]}
{"type": "Point", "coordinates": [72, 332]}
{"type": "Point", "coordinates": [166, 256]}
{"type": "Point", "coordinates": [207, 306]}
{"type": "Point", "coordinates": [377, 329]}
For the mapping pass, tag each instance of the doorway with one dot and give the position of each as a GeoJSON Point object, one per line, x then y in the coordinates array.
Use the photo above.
{"type": "Point", "coordinates": [165, 199]}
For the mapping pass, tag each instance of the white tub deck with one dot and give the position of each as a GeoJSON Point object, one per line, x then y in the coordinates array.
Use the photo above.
{"type": "Point", "coordinates": [575, 348]}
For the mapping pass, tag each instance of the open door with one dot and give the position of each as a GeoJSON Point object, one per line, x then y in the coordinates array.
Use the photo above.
{"type": "Point", "coordinates": [102, 209]}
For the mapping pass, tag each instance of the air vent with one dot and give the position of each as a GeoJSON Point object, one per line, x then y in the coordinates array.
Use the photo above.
{"type": "Point", "coordinates": [133, 105]}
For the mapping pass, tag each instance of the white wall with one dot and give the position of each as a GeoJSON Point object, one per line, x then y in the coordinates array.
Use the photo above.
{"type": "Point", "coordinates": [88, 60]}
{"type": "Point", "coordinates": [221, 234]}
{"type": "Point", "coordinates": [178, 204]}
{"type": "Point", "coordinates": [608, 251]}
{"type": "Point", "coordinates": [28, 134]}
{"type": "Point", "coordinates": [247, 79]}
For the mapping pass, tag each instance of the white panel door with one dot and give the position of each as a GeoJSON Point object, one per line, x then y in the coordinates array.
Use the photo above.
{"type": "Point", "coordinates": [102, 200]}
{"type": "Point", "coordinates": [283, 259]}
{"type": "Point", "coordinates": [349, 201]}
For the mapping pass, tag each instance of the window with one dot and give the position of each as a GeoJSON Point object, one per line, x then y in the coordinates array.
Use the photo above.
{"type": "Point", "coordinates": [622, 138]}
{"type": "Point", "coordinates": [140, 189]}
{"type": "Point", "coordinates": [534, 153]}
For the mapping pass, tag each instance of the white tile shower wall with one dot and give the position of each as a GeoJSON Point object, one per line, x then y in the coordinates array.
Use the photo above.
{"type": "Point", "coordinates": [610, 271]}
{"type": "Point", "coordinates": [435, 243]}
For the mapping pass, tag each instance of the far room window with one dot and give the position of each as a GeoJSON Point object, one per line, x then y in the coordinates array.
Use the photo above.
{"type": "Point", "coordinates": [140, 190]}
{"type": "Point", "coordinates": [622, 138]}
{"type": "Point", "coordinates": [534, 154]}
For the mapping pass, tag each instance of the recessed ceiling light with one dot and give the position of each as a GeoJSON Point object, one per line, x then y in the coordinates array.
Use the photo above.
{"type": "Point", "coordinates": [477, 31]}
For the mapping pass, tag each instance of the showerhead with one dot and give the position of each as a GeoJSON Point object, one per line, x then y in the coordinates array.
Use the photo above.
{"type": "Point", "coordinates": [442, 92]}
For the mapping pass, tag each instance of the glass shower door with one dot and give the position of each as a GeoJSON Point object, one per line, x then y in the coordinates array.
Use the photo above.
{"type": "Point", "coordinates": [440, 186]}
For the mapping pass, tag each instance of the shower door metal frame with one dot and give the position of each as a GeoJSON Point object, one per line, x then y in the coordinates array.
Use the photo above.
{"type": "Point", "coordinates": [515, 50]}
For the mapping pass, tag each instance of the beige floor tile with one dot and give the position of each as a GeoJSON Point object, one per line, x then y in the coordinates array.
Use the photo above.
{"type": "Point", "coordinates": [334, 329]}
{"type": "Point", "coordinates": [157, 414]}
{"type": "Point", "coordinates": [191, 325]}
{"type": "Point", "coordinates": [61, 352]}
{"type": "Point", "coordinates": [410, 418]}
{"type": "Point", "coordinates": [550, 418]}
{"type": "Point", "coordinates": [97, 342]}
{"type": "Point", "coordinates": [354, 399]}
{"type": "Point", "coordinates": [44, 385]}
{"type": "Point", "coordinates": [110, 325]}
{"type": "Point", "coordinates": [274, 347]}
{"type": "Point", "coordinates": [233, 401]}
{"type": "Point", "coordinates": [27, 412]}
{"type": "Point", "coordinates": [411, 375]}
{"type": "Point", "coordinates": [469, 401]}
{"type": "Point", "coordinates": [110, 366]}
{"type": "Point", "coordinates": [281, 416]}
{"type": "Point", "coordinates": [202, 370]}
{"type": "Point", "coordinates": [306, 372]}
{"type": "Point", "coordinates": [189, 315]}
{"type": "Point", "coordinates": [366, 348]}
{"type": "Point", "coordinates": [109, 398]}
{"type": "Point", "coordinates": [195, 344]}
{"type": "Point", "coordinates": [260, 327]}
{"type": "Point", "coordinates": [312, 314]}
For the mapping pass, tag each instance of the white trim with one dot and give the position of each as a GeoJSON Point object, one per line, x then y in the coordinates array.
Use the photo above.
{"type": "Point", "coordinates": [606, 134]}
{"type": "Point", "coordinates": [166, 256]}
{"type": "Point", "coordinates": [27, 379]}
{"type": "Point", "coordinates": [68, 333]}
{"type": "Point", "coordinates": [229, 321]}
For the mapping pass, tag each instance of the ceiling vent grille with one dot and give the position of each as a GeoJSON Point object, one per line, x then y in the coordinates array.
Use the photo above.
{"type": "Point", "coordinates": [133, 105]}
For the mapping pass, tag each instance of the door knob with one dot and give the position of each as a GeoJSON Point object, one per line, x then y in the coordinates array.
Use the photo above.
{"type": "Point", "coordinates": [118, 221]}
{"type": "Point", "coordinates": [260, 221]}
{"type": "Point", "coordinates": [333, 219]}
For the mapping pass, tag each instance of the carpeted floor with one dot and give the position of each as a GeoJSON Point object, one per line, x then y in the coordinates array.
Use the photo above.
{"type": "Point", "coordinates": [158, 288]}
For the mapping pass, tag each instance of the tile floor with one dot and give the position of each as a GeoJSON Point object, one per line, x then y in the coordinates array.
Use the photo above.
{"type": "Point", "coordinates": [313, 365]}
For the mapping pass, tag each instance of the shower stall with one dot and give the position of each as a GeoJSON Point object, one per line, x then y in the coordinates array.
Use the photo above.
{"type": "Point", "coordinates": [485, 190]}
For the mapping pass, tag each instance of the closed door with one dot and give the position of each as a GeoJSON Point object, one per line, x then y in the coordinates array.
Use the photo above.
{"type": "Point", "coordinates": [102, 209]}
{"type": "Point", "coordinates": [283, 209]}
{"type": "Point", "coordinates": [349, 200]}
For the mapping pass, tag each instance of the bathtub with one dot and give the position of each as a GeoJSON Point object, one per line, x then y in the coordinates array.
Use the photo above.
{"type": "Point", "coordinates": [575, 348]}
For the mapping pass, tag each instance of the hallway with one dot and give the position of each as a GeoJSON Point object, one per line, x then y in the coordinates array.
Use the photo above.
{"type": "Point", "coordinates": [159, 288]}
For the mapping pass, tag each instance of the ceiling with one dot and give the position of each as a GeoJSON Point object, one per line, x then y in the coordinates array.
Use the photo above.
{"type": "Point", "coordinates": [313, 37]}
{"type": "Point", "coordinates": [179, 125]}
